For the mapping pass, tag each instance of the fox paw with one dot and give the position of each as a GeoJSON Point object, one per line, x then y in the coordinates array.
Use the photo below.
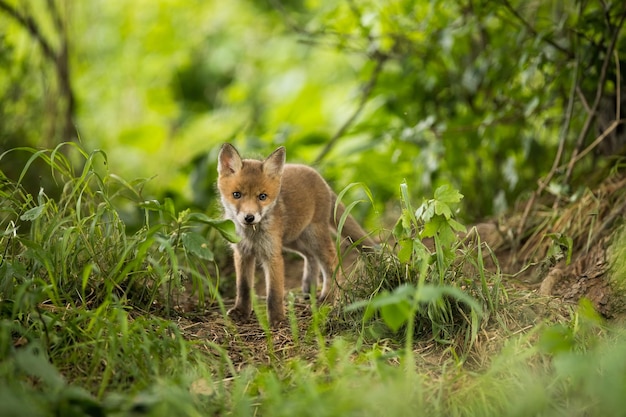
{"type": "Point", "coordinates": [238, 315]}
{"type": "Point", "coordinates": [278, 323]}
{"type": "Point", "coordinates": [325, 298]}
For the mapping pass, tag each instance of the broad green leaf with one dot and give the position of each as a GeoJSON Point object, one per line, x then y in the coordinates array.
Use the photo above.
{"type": "Point", "coordinates": [447, 194]}
{"type": "Point", "coordinates": [398, 295]}
{"type": "Point", "coordinates": [225, 227]}
{"type": "Point", "coordinates": [406, 220]}
{"type": "Point", "coordinates": [19, 402]}
{"type": "Point", "coordinates": [398, 229]}
{"type": "Point", "coordinates": [443, 209]}
{"type": "Point", "coordinates": [33, 214]}
{"type": "Point", "coordinates": [587, 311]}
{"type": "Point", "coordinates": [152, 205]}
{"type": "Point", "coordinates": [198, 245]}
{"type": "Point", "coordinates": [431, 228]}
{"type": "Point", "coordinates": [406, 250]}
{"type": "Point", "coordinates": [430, 293]}
{"type": "Point", "coordinates": [446, 236]}
{"type": "Point", "coordinates": [168, 207]}
{"type": "Point", "coordinates": [34, 363]}
{"type": "Point", "coordinates": [396, 314]}
{"type": "Point", "coordinates": [394, 307]}
{"type": "Point", "coordinates": [457, 226]}
{"type": "Point", "coordinates": [227, 230]}
{"type": "Point", "coordinates": [556, 339]}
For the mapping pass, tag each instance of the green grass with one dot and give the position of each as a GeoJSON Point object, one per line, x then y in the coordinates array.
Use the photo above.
{"type": "Point", "coordinates": [88, 320]}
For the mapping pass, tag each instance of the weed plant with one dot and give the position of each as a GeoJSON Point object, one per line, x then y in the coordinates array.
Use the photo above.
{"type": "Point", "coordinates": [425, 281]}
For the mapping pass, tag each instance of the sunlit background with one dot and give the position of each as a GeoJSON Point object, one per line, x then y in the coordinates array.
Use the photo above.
{"type": "Point", "coordinates": [474, 95]}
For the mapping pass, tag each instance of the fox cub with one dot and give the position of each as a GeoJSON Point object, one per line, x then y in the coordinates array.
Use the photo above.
{"type": "Point", "coordinates": [274, 206]}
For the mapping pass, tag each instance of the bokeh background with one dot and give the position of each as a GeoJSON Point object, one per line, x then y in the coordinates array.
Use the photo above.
{"type": "Point", "coordinates": [487, 96]}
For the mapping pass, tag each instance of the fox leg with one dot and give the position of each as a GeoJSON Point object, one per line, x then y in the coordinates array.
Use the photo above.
{"type": "Point", "coordinates": [310, 275]}
{"type": "Point", "coordinates": [328, 261]}
{"type": "Point", "coordinates": [244, 268]}
{"type": "Point", "coordinates": [275, 283]}
{"type": "Point", "coordinates": [319, 248]}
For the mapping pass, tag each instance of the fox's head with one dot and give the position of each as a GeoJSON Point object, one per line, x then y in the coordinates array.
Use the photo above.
{"type": "Point", "coordinates": [249, 188]}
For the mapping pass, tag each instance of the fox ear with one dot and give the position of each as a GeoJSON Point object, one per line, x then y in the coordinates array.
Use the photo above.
{"type": "Point", "coordinates": [274, 164]}
{"type": "Point", "coordinates": [229, 160]}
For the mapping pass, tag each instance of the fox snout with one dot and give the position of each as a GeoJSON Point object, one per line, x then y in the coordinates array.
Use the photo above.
{"type": "Point", "coordinates": [250, 219]}
{"type": "Point", "coordinates": [245, 211]}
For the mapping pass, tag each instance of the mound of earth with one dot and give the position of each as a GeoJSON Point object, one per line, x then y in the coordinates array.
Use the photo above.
{"type": "Point", "coordinates": [564, 250]}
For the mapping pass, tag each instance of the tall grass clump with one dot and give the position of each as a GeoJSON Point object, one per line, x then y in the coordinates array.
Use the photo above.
{"type": "Point", "coordinates": [78, 291]}
{"type": "Point", "coordinates": [78, 244]}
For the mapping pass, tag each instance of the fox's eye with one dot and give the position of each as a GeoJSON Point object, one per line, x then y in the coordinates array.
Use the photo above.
{"type": "Point", "coordinates": [236, 195]}
{"type": "Point", "coordinates": [262, 196]}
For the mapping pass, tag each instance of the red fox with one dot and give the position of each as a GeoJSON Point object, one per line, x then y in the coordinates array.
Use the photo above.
{"type": "Point", "coordinates": [274, 206]}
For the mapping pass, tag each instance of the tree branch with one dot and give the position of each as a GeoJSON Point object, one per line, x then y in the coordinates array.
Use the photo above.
{"type": "Point", "coordinates": [596, 102]}
{"type": "Point", "coordinates": [31, 26]}
{"type": "Point", "coordinates": [618, 116]}
{"type": "Point", "coordinates": [365, 95]}
{"type": "Point", "coordinates": [532, 30]}
{"type": "Point", "coordinates": [59, 59]}
{"type": "Point", "coordinates": [543, 183]}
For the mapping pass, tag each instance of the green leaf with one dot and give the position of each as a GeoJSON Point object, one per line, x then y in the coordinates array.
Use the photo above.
{"type": "Point", "coordinates": [426, 211]}
{"type": "Point", "coordinates": [396, 314]}
{"type": "Point", "coordinates": [588, 313]}
{"type": "Point", "coordinates": [168, 206]}
{"type": "Point", "coordinates": [76, 401]}
{"type": "Point", "coordinates": [432, 227]}
{"type": "Point", "coordinates": [447, 194]}
{"type": "Point", "coordinates": [446, 235]}
{"type": "Point", "coordinates": [406, 250]}
{"type": "Point", "coordinates": [457, 226]}
{"type": "Point", "coordinates": [431, 293]}
{"type": "Point", "coordinates": [394, 307]}
{"type": "Point", "coordinates": [443, 209]}
{"type": "Point", "coordinates": [198, 245]}
{"type": "Point", "coordinates": [33, 214]}
{"type": "Point", "coordinates": [225, 227]}
{"type": "Point", "coordinates": [557, 339]}
{"type": "Point", "coordinates": [35, 364]}
{"type": "Point", "coordinates": [398, 229]}
{"type": "Point", "coordinates": [152, 205]}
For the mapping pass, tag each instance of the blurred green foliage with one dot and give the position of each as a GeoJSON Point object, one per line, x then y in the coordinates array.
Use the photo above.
{"type": "Point", "coordinates": [476, 94]}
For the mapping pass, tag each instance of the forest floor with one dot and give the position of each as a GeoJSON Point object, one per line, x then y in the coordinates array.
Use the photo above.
{"type": "Point", "coordinates": [548, 260]}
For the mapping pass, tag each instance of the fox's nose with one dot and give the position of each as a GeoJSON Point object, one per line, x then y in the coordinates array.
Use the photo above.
{"type": "Point", "coordinates": [249, 218]}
